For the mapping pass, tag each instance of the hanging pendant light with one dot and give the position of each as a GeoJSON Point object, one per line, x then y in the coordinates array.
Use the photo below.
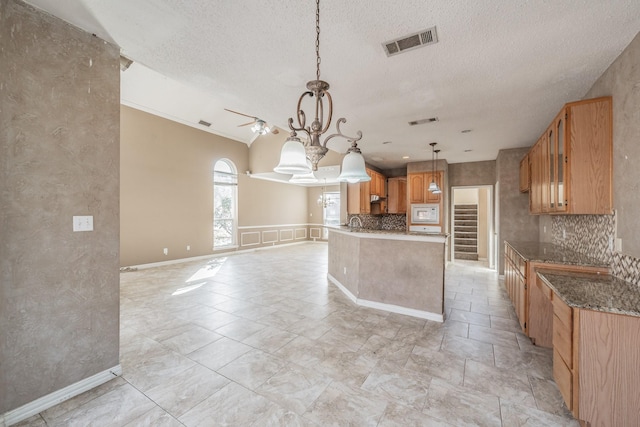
{"type": "Point", "coordinates": [433, 186]}
{"type": "Point", "coordinates": [304, 178]}
{"type": "Point", "coordinates": [353, 169]}
{"type": "Point", "coordinates": [437, 190]}
{"type": "Point", "coordinates": [314, 150]}
{"type": "Point", "coordinates": [293, 159]}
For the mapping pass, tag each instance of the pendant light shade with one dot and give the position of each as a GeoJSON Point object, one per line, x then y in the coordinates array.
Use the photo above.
{"type": "Point", "coordinates": [353, 169]}
{"type": "Point", "coordinates": [293, 159]}
{"type": "Point", "coordinates": [304, 178]}
{"type": "Point", "coordinates": [433, 187]}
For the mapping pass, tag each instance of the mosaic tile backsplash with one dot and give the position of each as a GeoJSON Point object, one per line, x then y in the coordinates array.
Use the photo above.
{"type": "Point", "coordinates": [382, 222]}
{"type": "Point", "coordinates": [594, 235]}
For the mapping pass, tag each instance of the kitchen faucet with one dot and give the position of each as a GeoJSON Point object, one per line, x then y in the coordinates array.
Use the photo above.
{"type": "Point", "coordinates": [351, 220]}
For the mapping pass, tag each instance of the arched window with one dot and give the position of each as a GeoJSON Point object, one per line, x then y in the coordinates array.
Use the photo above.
{"type": "Point", "coordinates": [225, 204]}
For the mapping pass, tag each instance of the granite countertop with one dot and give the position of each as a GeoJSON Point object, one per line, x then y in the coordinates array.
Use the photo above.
{"type": "Point", "coordinates": [554, 254]}
{"type": "Point", "coordinates": [599, 292]}
{"type": "Point", "coordinates": [388, 232]}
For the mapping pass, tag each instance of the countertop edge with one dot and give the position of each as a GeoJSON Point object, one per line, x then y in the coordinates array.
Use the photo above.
{"type": "Point", "coordinates": [389, 235]}
{"type": "Point", "coordinates": [595, 263]}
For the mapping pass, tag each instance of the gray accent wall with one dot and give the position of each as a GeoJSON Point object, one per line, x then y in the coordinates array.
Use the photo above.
{"type": "Point", "coordinates": [622, 81]}
{"type": "Point", "coordinates": [514, 220]}
{"type": "Point", "coordinates": [472, 173]}
{"type": "Point", "coordinates": [59, 157]}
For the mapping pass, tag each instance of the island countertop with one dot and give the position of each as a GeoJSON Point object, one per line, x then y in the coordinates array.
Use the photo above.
{"type": "Point", "coordinates": [553, 254]}
{"type": "Point", "coordinates": [599, 292]}
{"type": "Point", "coordinates": [368, 233]}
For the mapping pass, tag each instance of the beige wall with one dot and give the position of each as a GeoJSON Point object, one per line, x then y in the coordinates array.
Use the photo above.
{"type": "Point", "coordinates": [167, 193]}
{"type": "Point", "coordinates": [59, 142]}
{"type": "Point", "coordinates": [622, 81]}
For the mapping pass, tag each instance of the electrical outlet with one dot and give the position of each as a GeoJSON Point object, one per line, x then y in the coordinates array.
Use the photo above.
{"type": "Point", "coordinates": [188, 247]}
{"type": "Point", "coordinates": [619, 244]}
{"type": "Point", "coordinates": [564, 234]}
{"type": "Point", "coordinates": [166, 251]}
{"type": "Point", "coordinates": [83, 223]}
{"type": "Point", "coordinates": [544, 228]}
{"type": "Point", "coordinates": [345, 270]}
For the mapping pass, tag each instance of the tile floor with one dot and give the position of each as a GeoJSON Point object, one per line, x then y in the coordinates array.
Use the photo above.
{"type": "Point", "coordinates": [262, 339]}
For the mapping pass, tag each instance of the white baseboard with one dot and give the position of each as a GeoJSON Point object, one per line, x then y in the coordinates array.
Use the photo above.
{"type": "Point", "coordinates": [45, 402]}
{"type": "Point", "coordinates": [386, 307]}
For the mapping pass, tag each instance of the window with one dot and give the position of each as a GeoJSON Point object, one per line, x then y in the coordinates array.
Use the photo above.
{"type": "Point", "coordinates": [225, 195]}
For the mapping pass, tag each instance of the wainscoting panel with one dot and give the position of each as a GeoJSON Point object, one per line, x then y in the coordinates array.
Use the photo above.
{"type": "Point", "coordinates": [286, 235]}
{"type": "Point", "coordinates": [270, 236]}
{"type": "Point", "coordinates": [250, 238]}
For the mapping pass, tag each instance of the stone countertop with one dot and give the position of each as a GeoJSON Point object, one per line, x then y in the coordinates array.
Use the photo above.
{"type": "Point", "coordinates": [599, 292]}
{"type": "Point", "coordinates": [390, 234]}
{"type": "Point", "coordinates": [554, 254]}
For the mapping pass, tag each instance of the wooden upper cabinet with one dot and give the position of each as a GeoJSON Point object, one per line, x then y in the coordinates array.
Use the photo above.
{"type": "Point", "coordinates": [429, 177]}
{"type": "Point", "coordinates": [416, 187]}
{"type": "Point", "coordinates": [524, 174]}
{"type": "Point", "coordinates": [397, 195]}
{"type": "Point", "coordinates": [571, 165]}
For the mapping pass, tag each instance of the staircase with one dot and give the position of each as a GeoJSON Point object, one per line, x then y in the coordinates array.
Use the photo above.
{"type": "Point", "coordinates": [465, 229]}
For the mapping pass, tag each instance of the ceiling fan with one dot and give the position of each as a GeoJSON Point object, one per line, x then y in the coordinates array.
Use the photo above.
{"type": "Point", "coordinates": [260, 127]}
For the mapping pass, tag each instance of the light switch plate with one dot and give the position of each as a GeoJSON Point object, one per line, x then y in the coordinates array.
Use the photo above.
{"type": "Point", "coordinates": [83, 223]}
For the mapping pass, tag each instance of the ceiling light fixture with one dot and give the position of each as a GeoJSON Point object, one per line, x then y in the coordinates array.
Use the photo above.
{"type": "Point", "coordinates": [294, 154]}
{"type": "Point", "coordinates": [433, 186]}
{"type": "Point", "coordinates": [260, 127]}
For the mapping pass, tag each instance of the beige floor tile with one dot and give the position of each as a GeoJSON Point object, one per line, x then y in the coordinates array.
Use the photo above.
{"type": "Point", "coordinates": [514, 415]}
{"type": "Point", "coordinates": [403, 386]}
{"type": "Point", "coordinates": [340, 405]}
{"type": "Point", "coordinates": [294, 387]}
{"type": "Point", "coordinates": [219, 353]}
{"type": "Point", "coordinates": [460, 406]}
{"type": "Point", "coordinates": [187, 389]}
{"type": "Point", "coordinates": [304, 334]}
{"type": "Point", "coordinates": [253, 368]}
{"type": "Point", "coordinates": [437, 364]}
{"type": "Point", "coordinates": [402, 416]}
{"type": "Point", "coordinates": [511, 385]}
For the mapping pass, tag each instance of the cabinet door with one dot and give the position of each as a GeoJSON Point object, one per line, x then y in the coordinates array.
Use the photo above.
{"type": "Point", "coordinates": [551, 171]}
{"type": "Point", "coordinates": [524, 174]}
{"type": "Point", "coordinates": [402, 197]}
{"type": "Point", "coordinates": [430, 197]}
{"type": "Point", "coordinates": [416, 187]}
{"type": "Point", "coordinates": [397, 195]}
{"type": "Point", "coordinates": [535, 192]}
{"type": "Point", "coordinates": [544, 164]}
{"type": "Point", "coordinates": [561, 161]}
{"type": "Point", "coordinates": [365, 198]}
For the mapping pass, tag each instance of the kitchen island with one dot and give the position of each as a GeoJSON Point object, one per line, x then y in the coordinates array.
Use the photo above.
{"type": "Point", "coordinates": [397, 271]}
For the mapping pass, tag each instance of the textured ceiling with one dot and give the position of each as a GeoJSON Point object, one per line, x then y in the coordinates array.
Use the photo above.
{"type": "Point", "coordinates": [501, 68]}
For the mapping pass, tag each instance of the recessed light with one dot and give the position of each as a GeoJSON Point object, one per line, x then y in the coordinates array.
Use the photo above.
{"type": "Point", "coordinates": [465, 131]}
{"type": "Point", "coordinates": [377, 159]}
{"type": "Point", "coordinates": [405, 157]}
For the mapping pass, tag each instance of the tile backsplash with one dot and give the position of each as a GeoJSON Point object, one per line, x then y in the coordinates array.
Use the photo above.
{"type": "Point", "coordinates": [382, 222]}
{"type": "Point", "coordinates": [594, 235]}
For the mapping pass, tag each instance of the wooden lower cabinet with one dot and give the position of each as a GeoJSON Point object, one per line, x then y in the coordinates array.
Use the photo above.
{"type": "Point", "coordinates": [515, 279]}
{"type": "Point", "coordinates": [595, 362]}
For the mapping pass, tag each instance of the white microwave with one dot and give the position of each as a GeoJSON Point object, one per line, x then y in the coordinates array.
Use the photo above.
{"type": "Point", "coordinates": [425, 213]}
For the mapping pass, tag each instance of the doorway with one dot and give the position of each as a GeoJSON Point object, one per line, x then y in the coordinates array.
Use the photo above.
{"type": "Point", "coordinates": [472, 225]}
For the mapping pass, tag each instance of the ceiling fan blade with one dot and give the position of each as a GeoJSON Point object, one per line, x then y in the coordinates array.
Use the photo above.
{"type": "Point", "coordinates": [247, 124]}
{"type": "Point", "coordinates": [242, 114]}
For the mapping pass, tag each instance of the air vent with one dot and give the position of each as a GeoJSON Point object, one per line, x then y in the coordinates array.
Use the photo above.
{"type": "Point", "coordinates": [412, 41]}
{"type": "Point", "coordinates": [423, 121]}
{"type": "Point", "coordinates": [203, 123]}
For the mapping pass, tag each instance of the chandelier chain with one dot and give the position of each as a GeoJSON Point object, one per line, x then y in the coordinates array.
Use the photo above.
{"type": "Point", "coordinates": [317, 39]}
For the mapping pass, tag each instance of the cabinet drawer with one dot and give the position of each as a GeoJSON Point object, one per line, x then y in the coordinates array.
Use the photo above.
{"type": "Point", "coordinates": [564, 379]}
{"type": "Point", "coordinates": [562, 340]}
{"type": "Point", "coordinates": [563, 312]}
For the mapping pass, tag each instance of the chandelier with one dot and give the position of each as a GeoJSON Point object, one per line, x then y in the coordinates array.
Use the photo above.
{"type": "Point", "coordinates": [433, 186]}
{"type": "Point", "coordinates": [299, 157]}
